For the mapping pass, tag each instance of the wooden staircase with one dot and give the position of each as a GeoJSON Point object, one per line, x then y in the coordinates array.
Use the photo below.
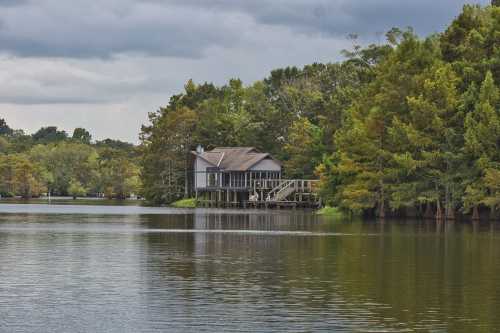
{"type": "Point", "coordinates": [282, 191]}
{"type": "Point", "coordinates": [287, 190]}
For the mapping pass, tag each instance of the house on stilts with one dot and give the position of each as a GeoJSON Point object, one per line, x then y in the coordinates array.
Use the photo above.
{"type": "Point", "coordinates": [246, 177]}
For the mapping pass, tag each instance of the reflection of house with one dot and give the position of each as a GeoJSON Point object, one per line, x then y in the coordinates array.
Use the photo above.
{"type": "Point", "coordinates": [235, 175]}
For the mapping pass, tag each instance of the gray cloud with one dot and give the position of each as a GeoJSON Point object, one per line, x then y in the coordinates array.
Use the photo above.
{"type": "Point", "coordinates": [341, 17]}
{"type": "Point", "coordinates": [96, 63]}
{"type": "Point", "coordinates": [44, 81]}
{"type": "Point", "coordinates": [105, 28]}
{"type": "Point", "coordinates": [9, 3]}
{"type": "Point", "coordinates": [187, 28]}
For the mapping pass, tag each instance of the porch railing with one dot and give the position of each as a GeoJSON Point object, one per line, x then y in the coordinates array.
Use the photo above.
{"type": "Point", "coordinates": [299, 185]}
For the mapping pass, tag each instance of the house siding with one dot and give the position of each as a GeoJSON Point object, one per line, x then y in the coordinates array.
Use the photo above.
{"type": "Point", "coordinates": [200, 168]}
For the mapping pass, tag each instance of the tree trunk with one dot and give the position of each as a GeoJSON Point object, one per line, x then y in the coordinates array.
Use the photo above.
{"type": "Point", "coordinates": [475, 213]}
{"type": "Point", "coordinates": [381, 213]}
{"type": "Point", "coordinates": [439, 211]}
{"type": "Point", "coordinates": [493, 214]}
{"type": "Point", "coordinates": [428, 211]}
{"type": "Point", "coordinates": [450, 213]}
{"type": "Point", "coordinates": [186, 180]}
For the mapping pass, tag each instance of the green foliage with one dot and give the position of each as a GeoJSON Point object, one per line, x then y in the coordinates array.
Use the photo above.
{"type": "Point", "coordinates": [393, 129]}
{"type": "Point", "coordinates": [4, 145]}
{"type": "Point", "coordinates": [185, 203]}
{"type": "Point", "coordinates": [4, 128]}
{"type": "Point", "coordinates": [76, 189]}
{"type": "Point", "coordinates": [82, 135]}
{"type": "Point", "coordinates": [19, 176]}
{"type": "Point", "coordinates": [330, 212]}
{"type": "Point", "coordinates": [281, 115]}
{"type": "Point", "coordinates": [422, 134]}
{"type": "Point", "coordinates": [482, 145]}
{"type": "Point", "coordinates": [119, 178]}
{"type": "Point", "coordinates": [166, 153]}
{"type": "Point", "coordinates": [67, 162]}
{"type": "Point", "coordinates": [49, 134]}
{"type": "Point", "coordinates": [49, 161]}
{"type": "Point", "coordinates": [304, 148]}
{"type": "Point", "coordinates": [410, 125]}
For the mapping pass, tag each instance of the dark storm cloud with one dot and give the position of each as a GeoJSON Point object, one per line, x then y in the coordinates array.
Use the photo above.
{"type": "Point", "coordinates": [187, 28]}
{"type": "Point", "coordinates": [341, 17]}
{"type": "Point", "coordinates": [78, 63]}
{"type": "Point", "coordinates": [5, 3]}
{"type": "Point", "coordinates": [81, 29]}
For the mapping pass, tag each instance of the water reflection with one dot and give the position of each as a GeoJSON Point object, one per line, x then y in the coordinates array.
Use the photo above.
{"type": "Point", "coordinates": [248, 271]}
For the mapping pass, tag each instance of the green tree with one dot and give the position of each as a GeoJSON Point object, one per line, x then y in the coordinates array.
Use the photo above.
{"type": "Point", "coordinates": [120, 178]}
{"type": "Point", "coordinates": [82, 135]}
{"type": "Point", "coordinates": [482, 143]}
{"type": "Point", "coordinates": [49, 134]}
{"type": "Point", "coordinates": [399, 128]}
{"type": "Point", "coordinates": [67, 161]}
{"type": "Point", "coordinates": [4, 128]}
{"type": "Point", "coordinates": [76, 189]}
{"type": "Point", "coordinates": [304, 149]}
{"type": "Point", "coordinates": [432, 163]}
{"type": "Point", "coordinates": [166, 149]}
{"type": "Point", "coordinates": [4, 145]}
{"type": "Point", "coordinates": [6, 176]}
{"type": "Point", "coordinates": [491, 181]}
{"type": "Point", "coordinates": [27, 178]}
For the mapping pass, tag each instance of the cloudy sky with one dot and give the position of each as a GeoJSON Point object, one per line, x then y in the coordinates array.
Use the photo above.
{"type": "Point", "coordinates": [105, 64]}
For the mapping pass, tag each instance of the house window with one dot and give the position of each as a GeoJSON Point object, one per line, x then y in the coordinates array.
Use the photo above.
{"type": "Point", "coordinates": [212, 177]}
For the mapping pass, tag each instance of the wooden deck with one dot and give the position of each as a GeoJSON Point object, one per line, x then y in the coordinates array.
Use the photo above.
{"type": "Point", "coordinates": [274, 193]}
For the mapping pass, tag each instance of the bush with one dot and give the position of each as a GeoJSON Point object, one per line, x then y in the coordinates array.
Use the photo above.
{"type": "Point", "coordinates": [185, 203]}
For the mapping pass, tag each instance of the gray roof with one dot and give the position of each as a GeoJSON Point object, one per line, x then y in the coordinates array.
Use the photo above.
{"type": "Point", "coordinates": [234, 158]}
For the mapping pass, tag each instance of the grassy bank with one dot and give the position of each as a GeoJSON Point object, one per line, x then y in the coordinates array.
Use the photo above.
{"type": "Point", "coordinates": [185, 203]}
{"type": "Point", "coordinates": [330, 211]}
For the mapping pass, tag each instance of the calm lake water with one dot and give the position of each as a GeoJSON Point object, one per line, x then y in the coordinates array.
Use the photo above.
{"type": "Point", "coordinates": [135, 269]}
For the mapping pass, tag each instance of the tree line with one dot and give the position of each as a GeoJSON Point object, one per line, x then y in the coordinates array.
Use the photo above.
{"type": "Point", "coordinates": [51, 161]}
{"type": "Point", "coordinates": [408, 127]}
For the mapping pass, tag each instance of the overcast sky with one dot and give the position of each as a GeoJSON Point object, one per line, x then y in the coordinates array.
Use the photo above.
{"type": "Point", "coordinates": [105, 64]}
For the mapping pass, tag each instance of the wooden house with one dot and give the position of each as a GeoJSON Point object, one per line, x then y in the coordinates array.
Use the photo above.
{"type": "Point", "coordinates": [236, 176]}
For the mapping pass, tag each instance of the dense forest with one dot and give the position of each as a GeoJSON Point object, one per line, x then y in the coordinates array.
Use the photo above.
{"type": "Point", "coordinates": [409, 127]}
{"type": "Point", "coordinates": [51, 161]}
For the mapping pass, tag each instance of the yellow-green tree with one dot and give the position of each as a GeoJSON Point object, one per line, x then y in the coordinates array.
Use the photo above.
{"type": "Point", "coordinates": [482, 143]}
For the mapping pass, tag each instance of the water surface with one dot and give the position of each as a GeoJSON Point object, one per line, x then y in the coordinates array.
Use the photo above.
{"type": "Point", "coordinates": [83, 268]}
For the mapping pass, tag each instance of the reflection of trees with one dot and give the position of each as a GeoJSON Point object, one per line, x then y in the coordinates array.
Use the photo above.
{"type": "Point", "coordinates": [419, 276]}
{"type": "Point", "coordinates": [391, 275]}
{"type": "Point", "coordinates": [244, 265]}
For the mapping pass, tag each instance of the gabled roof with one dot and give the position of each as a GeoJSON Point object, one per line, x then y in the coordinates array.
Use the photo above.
{"type": "Point", "coordinates": [234, 158]}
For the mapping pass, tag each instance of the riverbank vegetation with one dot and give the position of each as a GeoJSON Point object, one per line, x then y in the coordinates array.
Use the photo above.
{"type": "Point", "coordinates": [409, 127]}
{"type": "Point", "coordinates": [52, 161]}
{"type": "Point", "coordinates": [330, 212]}
{"type": "Point", "coordinates": [185, 203]}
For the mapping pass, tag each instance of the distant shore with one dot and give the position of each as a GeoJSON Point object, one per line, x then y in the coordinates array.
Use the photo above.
{"type": "Point", "coordinates": [70, 200]}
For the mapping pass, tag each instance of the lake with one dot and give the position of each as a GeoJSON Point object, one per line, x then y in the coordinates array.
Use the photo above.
{"type": "Point", "coordinates": [84, 268]}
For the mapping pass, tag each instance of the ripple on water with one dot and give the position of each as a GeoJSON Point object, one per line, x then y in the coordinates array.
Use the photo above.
{"type": "Point", "coordinates": [217, 271]}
